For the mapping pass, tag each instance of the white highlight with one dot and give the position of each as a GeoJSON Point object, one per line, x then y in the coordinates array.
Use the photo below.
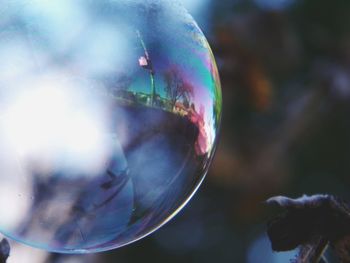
{"type": "Point", "coordinates": [54, 124]}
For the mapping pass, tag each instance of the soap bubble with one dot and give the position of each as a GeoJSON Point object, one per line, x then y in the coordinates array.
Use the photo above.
{"type": "Point", "coordinates": [109, 114]}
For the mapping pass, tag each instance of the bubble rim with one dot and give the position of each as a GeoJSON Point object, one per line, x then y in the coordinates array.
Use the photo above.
{"type": "Point", "coordinates": [211, 155]}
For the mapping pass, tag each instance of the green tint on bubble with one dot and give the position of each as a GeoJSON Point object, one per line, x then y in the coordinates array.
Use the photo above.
{"type": "Point", "coordinates": [109, 114]}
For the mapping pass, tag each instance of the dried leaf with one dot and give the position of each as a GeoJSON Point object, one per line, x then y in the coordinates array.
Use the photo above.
{"type": "Point", "coordinates": [311, 222]}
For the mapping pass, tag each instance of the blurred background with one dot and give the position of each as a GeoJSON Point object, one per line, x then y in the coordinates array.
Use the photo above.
{"type": "Point", "coordinates": [285, 71]}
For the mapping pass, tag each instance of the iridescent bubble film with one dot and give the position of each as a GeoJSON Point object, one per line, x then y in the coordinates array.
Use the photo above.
{"type": "Point", "coordinates": [109, 114]}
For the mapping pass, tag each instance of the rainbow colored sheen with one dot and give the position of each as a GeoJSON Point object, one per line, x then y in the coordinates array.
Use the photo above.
{"type": "Point", "coordinates": [109, 116]}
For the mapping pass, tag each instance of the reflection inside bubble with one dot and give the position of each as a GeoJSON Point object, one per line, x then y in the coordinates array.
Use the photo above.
{"type": "Point", "coordinates": [108, 124]}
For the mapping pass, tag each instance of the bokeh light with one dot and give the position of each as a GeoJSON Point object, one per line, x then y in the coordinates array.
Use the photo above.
{"type": "Point", "coordinates": [109, 118]}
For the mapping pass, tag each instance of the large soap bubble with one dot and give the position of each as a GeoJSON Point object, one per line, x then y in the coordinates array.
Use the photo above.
{"type": "Point", "coordinates": [109, 113]}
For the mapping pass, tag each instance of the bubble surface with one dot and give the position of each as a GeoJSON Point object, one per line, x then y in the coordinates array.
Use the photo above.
{"type": "Point", "coordinates": [109, 114]}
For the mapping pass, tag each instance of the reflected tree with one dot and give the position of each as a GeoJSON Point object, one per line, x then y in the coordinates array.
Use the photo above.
{"type": "Point", "coordinates": [176, 87]}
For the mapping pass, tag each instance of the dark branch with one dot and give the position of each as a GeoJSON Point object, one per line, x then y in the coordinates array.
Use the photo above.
{"type": "Point", "coordinates": [4, 250]}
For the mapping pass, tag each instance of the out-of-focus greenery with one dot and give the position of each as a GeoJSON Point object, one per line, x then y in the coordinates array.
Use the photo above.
{"type": "Point", "coordinates": [285, 71]}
